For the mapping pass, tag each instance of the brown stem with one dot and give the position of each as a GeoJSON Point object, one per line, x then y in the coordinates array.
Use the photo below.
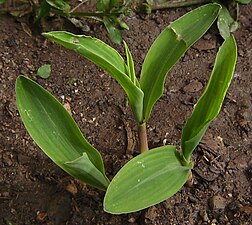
{"type": "Point", "coordinates": [189, 181]}
{"type": "Point", "coordinates": [142, 135]}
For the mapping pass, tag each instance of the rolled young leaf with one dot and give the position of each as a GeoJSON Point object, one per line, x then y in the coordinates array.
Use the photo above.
{"type": "Point", "coordinates": [146, 180]}
{"type": "Point", "coordinates": [105, 57]}
{"type": "Point", "coordinates": [209, 105]}
{"type": "Point", "coordinates": [56, 133]}
{"type": "Point", "coordinates": [169, 47]}
{"type": "Point", "coordinates": [130, 65]}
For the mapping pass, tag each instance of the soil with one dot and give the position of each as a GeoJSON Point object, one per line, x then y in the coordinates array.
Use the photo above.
{"type": "Point", "coordinates": [33, 190]}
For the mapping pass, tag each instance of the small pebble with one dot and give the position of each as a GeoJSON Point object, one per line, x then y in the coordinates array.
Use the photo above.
{"type": "Point", "coordinates": [194, 86]}
{"type": "Point", "coordinates": [204, 216]}
{"type": "Point", "coordinates": [218, 202]}
{"type": "Point", "coordinates": [41, 216]}
{"type": "Point", "coordinates": [192, 199]}
{"type": "Point", "coordinates": [131, 220]}
{"type": "Point", "coordinates": [151, 214]}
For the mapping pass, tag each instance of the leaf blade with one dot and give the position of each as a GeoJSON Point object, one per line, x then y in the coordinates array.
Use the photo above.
{"type": "Point", "coordinates": [83, 169]}
{"type": "Point", "coordinates": [51, 126]}
{"type": "Point", "coordinates": [176, 39]}
{"type": "Point", "coordinates": [209, 104]}
{"type": "Point", "coordinates": [226, 24]}
{"type": "Point", "coordinates": [60, 5]}
{"type": "Point", "coordinates": [105, 57]}
{"type": "Point", "coordinates": [158, 174]}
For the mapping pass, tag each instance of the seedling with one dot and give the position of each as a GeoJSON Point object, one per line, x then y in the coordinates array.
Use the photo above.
{"type": "Point", "coordinates": [226, 23]}
{"type": "Point", "coordinates": [109, 12]}
{"type": "Point", "coordinates": [157, 174]}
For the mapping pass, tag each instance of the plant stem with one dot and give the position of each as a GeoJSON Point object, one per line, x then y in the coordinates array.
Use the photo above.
{"type": "Point", "coordinates": [142, 135]}
{"type": "Point", "coordinates": [189, 181]}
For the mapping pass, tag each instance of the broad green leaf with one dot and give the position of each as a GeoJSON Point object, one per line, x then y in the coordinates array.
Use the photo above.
{"type": "Point", "coordinates": [169, 47]}
{"type": "Point", "coordinates": [209, 105]}
{"type": "Point", "coordinates": [44, 71]}
{"type": "Point", "coordinates": [146, 180]}
{"type": "Point", "coordinates": [60, 5]}
{"type": "Point", "coordinates": [105, 57]}
{"type": "Point", "coordinates": [55, 131]}
{"type": "Point", "coordinates": [226, 23]}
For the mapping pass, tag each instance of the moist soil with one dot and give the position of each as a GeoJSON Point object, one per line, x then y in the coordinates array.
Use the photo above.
{"type": "Point", "coordinates": [33, 190]}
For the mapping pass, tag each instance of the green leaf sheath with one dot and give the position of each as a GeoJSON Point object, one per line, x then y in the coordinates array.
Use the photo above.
{"type": "Point", "coordinates": [146, 180]}
{"type": "Point", "coordinates": [209, 105]}
{"type": "Point", "coordinates": [169, 47]}
{"type": "Point", "coordinates": [105, 57]}
{"type": "Point", "coordinates": [54, 130]}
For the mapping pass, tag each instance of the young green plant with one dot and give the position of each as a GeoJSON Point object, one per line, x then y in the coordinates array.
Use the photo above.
{"type": "Point", "coordinates": [157, 174]}
{"type": "Point", "coordinates": [167, 49]}
{"type": "Point", "coordinates": [109, 12]}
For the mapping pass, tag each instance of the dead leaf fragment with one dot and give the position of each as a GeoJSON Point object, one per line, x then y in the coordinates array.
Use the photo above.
{"type": "Point", "coordinates": [72, 188]}
{"type": "Point", "coordinates": [68, 107]}
{"type": "Point", "coordinates": [26, 29]}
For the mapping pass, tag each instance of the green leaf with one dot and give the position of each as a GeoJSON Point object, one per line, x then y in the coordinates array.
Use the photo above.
{"type": "Point", "coordinates": [105, 57]}
{"type": "Point", "coordinates": [146, 180]}
{"type": "Point", "coordinates": [114, 3]}
{"type": "Point", "coordinates": [226, 23]}
{"type": "Point", "coordinates": [123, 25]}
{"type": "Point", "coordinates": [243, 1]}
{"type": "Point", "coordinates": [130, 65]}
{"type": "Point", "coordinates": [114, 33]}
{"type": "Point", "coordinates": [2, 1]}
{"type": "Point", "coordinates": [169, 47]}
{"type": "Point", "coordinates": [209, 105]}
{"type": "Point", "coordinates": [83, 169]}
{"type": "Point", "coordinates": [60, 5]}
{"type": "Point", "coordinates": [43, 11]}
{"type": "Point", "coordinates": [103, 5]}
{"type": "Point", "coordinates": [44, 71]}
{"type": "Point", "coordinates": [55, 131]}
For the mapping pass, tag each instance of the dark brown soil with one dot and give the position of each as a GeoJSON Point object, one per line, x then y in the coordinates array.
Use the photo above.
{"type": "Point", "coordinates": [35, 191]}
